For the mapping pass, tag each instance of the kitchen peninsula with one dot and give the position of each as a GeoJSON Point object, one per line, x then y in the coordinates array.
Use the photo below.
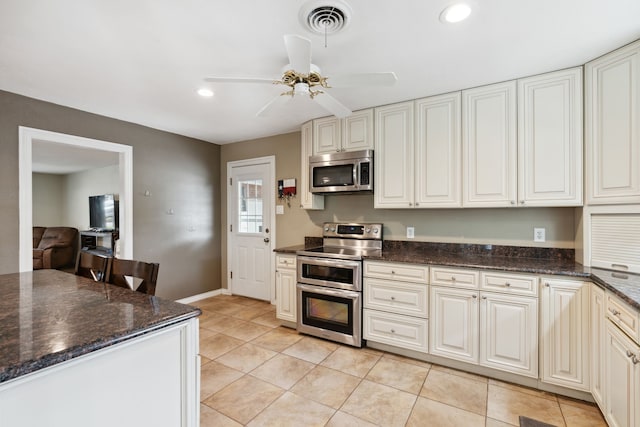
{"type": "Point", "coordinates": [88, 353]}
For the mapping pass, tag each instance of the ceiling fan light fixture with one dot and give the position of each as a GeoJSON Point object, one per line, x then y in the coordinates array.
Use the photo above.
{"type": "Point", "coordinates": [205, 92]}
{"type": "Point", "coordinates": [455, 13]}
{"type": "Point", "coordinates": [300, 89]}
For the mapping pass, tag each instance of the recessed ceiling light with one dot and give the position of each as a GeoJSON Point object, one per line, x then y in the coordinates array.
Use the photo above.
{"type": "Point", "coordinates": [455, 13]}
{"type": "Point", "coordinates": [207, 93]}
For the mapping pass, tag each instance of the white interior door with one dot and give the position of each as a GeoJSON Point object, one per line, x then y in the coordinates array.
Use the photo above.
{"type": "Point", "coordinates": [251, 197]}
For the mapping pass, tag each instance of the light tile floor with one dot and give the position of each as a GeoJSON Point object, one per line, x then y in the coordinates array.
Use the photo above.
{"type": "Point", "coordinates": [258, 373]}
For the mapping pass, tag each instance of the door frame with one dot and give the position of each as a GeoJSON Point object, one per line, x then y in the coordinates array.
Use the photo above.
{"type": "Point", "coordinates": [271, 161]}
{"type": "Point", "coordinates": [26, 136]}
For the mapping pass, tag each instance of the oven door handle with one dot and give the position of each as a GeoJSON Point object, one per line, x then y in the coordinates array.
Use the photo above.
{"type": "Point", "coordinates": [328, 291]}
{"type": "Point", "coordinates": [329, 262]}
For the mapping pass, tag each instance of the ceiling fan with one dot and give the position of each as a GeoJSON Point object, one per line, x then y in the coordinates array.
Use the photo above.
{"type": "Point", "coordinates": [304, 78]}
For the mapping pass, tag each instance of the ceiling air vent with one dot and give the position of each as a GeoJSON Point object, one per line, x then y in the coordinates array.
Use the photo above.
{"type": "Point", "coordinates": [325, 16]}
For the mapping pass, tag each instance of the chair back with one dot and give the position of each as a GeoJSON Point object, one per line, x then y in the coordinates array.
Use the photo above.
{"type": "Point", "coordinates": [93, 266]}
{"type": "Point", "coordinates": [145, 271]}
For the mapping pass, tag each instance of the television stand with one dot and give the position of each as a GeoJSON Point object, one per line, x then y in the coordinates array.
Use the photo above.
{"type": "Point", "coordinates": [98, 241]}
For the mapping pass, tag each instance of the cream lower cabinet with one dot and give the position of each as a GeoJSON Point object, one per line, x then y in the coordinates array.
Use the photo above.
{"type": "Point", "coordinates": [597, 329]}
{"type": "Point", "coordinates": [395, 299]}
{"type": "Point", "coordinates": [286, 301]}
{"type": "Point", "coordinates": [509, 333]}
{"type": "Point", "coordinates": [565, 333]}
{"type": "Point", "coordinates": [621, 379]}
{"type": "Point", "coordinates": [494, 325]}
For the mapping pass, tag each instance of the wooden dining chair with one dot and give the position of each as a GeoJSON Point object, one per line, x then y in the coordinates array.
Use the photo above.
{"type": "Point", "coordinates": [147, 272]}
{"type": "Point", "coordinates": [93, 266]}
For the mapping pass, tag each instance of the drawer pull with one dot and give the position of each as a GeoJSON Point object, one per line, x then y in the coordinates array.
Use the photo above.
{"type": "Point", "coordinates": [453, 278]}
{"type": "Point", "coordinates": [484, 297]}
{"type": "Point", "coordinates": [393, 272]}
{"type": "Point", "coordinates": [546, 284]}
{"type": "Point", "coordinates": [634, 359]}
{"type": "Point", "coordinates": [393, 298]}
{"type": "Point", "coordinates": [474, 296]}
{"type": "Point", "coordinates": [393, 331]}
{"type": "Point", "coordinates": [507, 284]}
{"type": "Point", "coordinates": [629, 353]}
{"type": "Point", "coordinates": [615, 312]}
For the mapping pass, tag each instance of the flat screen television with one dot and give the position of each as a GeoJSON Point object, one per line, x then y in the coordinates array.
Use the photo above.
{"type": "Point", "coordinates": [104, 212]}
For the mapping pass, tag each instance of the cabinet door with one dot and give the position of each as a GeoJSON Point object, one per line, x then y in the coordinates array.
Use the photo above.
{"type": "Point", "coordinates": [622, 379]}
{"type": "Point", "coordinates": [453, 328]}
{"type": "Point", "coordinates": [509, 333]}
{"type": "Point", "coordinates": [565, 333]}
{"type": "Point", "coordinates": [393, 163]}
{"type": "Point", "coordinates": [308, 200]}
{"type": "Point", "coordinates": [438, 152]}
{"type": "Point", "coordinates": [357, 131]}
{"type": "Point", "coordinates": [613, 127]}
{"type": "Point", "coordinates": [598, 320]}
{"type": "Point", "coordinates": [286, 294]}
{"type": "Point", "coordinates": [326, 135]}
{"type": "Point", "coordinates": [489, 144]}
{"type": "Point", "coordinates": [550, 139]}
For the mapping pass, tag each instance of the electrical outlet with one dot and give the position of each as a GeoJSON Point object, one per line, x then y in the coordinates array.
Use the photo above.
{"type": "Point", "coordinates": [279, 210]}
{"type": "Point", "coordinates": [539, 235]}
{"type": "Point", "coordinates": [411, 232]}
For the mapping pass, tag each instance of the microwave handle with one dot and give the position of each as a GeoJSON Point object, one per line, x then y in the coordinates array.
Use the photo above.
{"type": "Point", "coordinates": [356, 175]}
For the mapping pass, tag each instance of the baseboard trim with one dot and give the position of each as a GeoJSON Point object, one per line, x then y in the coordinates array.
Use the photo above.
{"type": "Point", "coordinates": [205, 295]}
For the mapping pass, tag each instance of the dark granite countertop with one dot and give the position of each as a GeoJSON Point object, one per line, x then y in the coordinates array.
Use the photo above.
{"type": "Point", "coordinates": [502, 258]}
{"type": "Point", "coordinates": [48, 317]}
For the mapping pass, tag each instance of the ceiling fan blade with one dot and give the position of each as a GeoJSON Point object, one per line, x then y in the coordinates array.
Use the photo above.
{"type": "Point", "coordinates": [272, 105]}
{"type": "Point", "coordinates": [362, 79]}
{"type": "Point", "coordinates": [240, 80]}
{"type": "Point", "coordinates": [332, 105]}
{"type": "Point", "coordinates": [299, 51]}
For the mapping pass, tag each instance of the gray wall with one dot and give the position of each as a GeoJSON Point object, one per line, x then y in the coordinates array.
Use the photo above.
{"type": "Point", "coordinates": [48, 199]}
{"type": "Point", "coordinates": [181, 173]}
{"type": "Point", "coordinates": [513, 227]}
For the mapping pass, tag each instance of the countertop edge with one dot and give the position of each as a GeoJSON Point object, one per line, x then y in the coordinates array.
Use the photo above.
{"type": "Point", "coordinates": [35, 365]}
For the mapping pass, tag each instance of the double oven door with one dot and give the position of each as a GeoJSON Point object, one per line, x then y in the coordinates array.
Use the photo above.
{"type": "Point", "coordinates": [330, 299]}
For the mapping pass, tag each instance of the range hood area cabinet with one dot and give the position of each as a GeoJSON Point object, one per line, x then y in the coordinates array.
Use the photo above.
{"type": "Point", "coordinates": [308, 200]}
{"type": "Point", "coordinates": [353, 133]}
{"type": "Point", "coordinates": [612, 116]}
{"type": "Point", "coordinates": [521, 145]}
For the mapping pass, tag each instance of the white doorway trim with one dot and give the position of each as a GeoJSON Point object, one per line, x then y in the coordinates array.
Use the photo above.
{"type": "Point", "coordinates": [25, 142]}
{"type": "Point", "coordinates": [271, 161]}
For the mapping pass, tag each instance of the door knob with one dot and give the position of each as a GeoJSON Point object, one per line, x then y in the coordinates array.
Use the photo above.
{"type": "Point", "coordinates": [267, 240]}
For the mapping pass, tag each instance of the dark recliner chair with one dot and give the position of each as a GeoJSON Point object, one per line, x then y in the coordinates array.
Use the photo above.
{"type": "Point", "coordinates": [54, 247]}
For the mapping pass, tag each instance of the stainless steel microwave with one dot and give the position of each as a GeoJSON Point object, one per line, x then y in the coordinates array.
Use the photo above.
{"type": "Point", "coordinates": [346, 171]}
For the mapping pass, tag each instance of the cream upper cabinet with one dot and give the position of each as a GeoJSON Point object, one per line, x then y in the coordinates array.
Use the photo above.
{"type": "Point", "coordinates": [437, 152]}
{"type": "Point", "coordinates": [550, 139]}
{"type": "Point", "coordinates": [308, 200]}
{"type": "Point", "coordinates": [565, 333]}
{"type": "Point", "coordinates": [394, 151]}
{"type": "Point", "coordinates": [357, 131]}
{"type": "Point", "coordinates": [612, 116]}
{"type": "Point", "coordinates": [352, 133]}
{"type": "Point", "coordinates": [489, 145]}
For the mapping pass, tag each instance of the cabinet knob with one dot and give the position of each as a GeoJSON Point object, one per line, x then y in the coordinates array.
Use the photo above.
{"type": "Point", "coordinates": [484, 297]}
{"type": "Point", "coordinates": [474, 296]}
{"type": "Point", "coordinates": [417, 204]}
{"type": "Point", "coordinates": [393, 331]}
{"type": "Point", "coordinates": [634, 359]}
{"type": "Point", "coordinates": [393, 272]}
{"type": "Point", "coordinates": [615, 313]}
{"type": "Point", "coordinates": [453, 278]}
{"type": "Point", "coordinates": [410, 204]}
{"type": "Point", "coordinates": [522, 202]}
{"type": "Point", "coordinates": [629, 353]}
{"type": "Point", "coordinates": [507, 284]}
{"type": "Point", "coordinates": [513, 202]}
{"type": "Point", "coordinates": [546, 284]}
{"type": "Point", "coordinates": [393, 298]}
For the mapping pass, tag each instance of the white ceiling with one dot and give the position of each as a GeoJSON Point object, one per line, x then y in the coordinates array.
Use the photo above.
{"type": "Point", "coordinates": [64, 159]}
{"type": "Point", "coordinates": [142, 61]}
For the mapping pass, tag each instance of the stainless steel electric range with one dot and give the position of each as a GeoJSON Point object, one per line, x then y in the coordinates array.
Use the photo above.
{"type": "Point", "coordinates": [329, 288]}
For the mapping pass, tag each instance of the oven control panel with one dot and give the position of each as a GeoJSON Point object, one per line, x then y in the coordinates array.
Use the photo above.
{"type": "Point", "coordinates": [369, 231]}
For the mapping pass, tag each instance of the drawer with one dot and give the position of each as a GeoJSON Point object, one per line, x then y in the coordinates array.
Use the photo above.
{"type": "Point", "coordinates": [397, 271]}
{"type": "Point", "coordinates": [393, 329]}
{"type": "Point", "coordinates": [624, 316]}
{"type": "Point", "coordinates": [286, 261]}
{"type": "Point", "coordinates": [396, 297]}
{"type": "Point", "coordinates": [509, 283]}
{"type": "Point", "coordinates": [459, 278]}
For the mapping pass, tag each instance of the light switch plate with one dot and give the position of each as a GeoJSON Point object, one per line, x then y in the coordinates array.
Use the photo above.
{"type": "Point", "coordinates": [279, 209]}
